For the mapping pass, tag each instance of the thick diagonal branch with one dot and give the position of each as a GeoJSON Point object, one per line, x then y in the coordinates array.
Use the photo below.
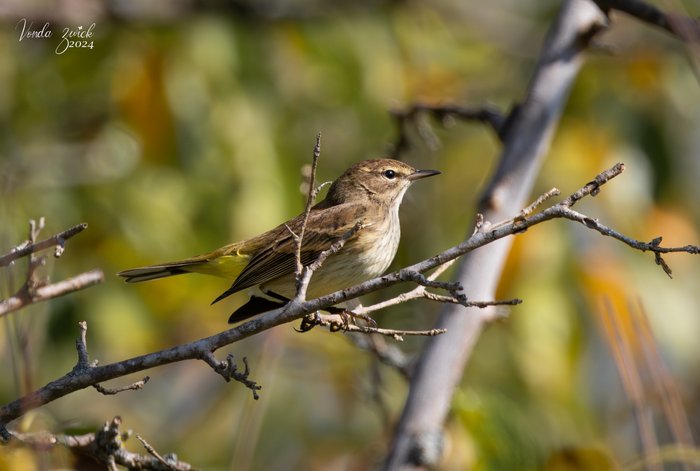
{"type": "Point", "coordinates": [87, 374]}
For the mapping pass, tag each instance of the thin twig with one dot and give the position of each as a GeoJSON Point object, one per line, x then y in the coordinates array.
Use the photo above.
{"type": "Point", "coordinates": [538, 202]}
{"type": "Point", "coordinates": [337, 323]}
{"type": "Point", "coordinates": [299, 239]}
{"type": "Point", "coordinates": [444, 114]}
{"type": "Point", "coordinates": [309, 270]}
{"type": "Point", "coordinates": [57, 240]}
{"type": "Point", "coordinates": [394, 333]}
{"type": "Point", "coordinates": [420, 292]}
{"type": "Point", "coordinates": [135, 386]}
{"type": "Point", "coordinates": [652, 246]}
{"type": "Point", "coordinates": [152, 451]}
{"type": "Point", "coordinates": [81, 347]}
{"type": "Point", "coordinates": [440, 270]}
{"type": "Point", "coordinates": [455, 289]}
{"type": "Point", "coordinates": [592, 188]}
{"type": "Point", "coordinates": [30, 295]}
{"type": "Point", "coordinates": [229, 371]}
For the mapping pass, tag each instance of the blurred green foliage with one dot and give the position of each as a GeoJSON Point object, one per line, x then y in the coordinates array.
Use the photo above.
{"type": "Point", "coordinates": [173, 137]}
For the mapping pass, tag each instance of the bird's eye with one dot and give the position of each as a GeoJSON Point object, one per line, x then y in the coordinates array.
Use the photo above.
{"type": "Point", "coordinates": [390, 174]}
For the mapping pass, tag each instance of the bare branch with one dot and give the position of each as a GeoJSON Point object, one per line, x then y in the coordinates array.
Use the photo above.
{"type": "Point", "coordinates": [416, 293]}
{"type": "Point", "coordinates": [538, 202]}
{"type": "Point", "coordinates": [455, 289]}
{"type": "Point", "coordinates": [687, 29]}
{"type": "Point", "coordinates": [135, 386]}
{"type": "Point", "coordinates": [36, 290]}
{"type": "Point", "coordinates": [30, 295]}
{"type": "Point", "coordinates": [106, 446]}
{"type": "Point", "coordinates": [152, 451]}
{"type": "Point", "coordinates": [298, 240]}
{"type": "Point", "coordinates": [420, 292]}
{"type": "Point", "coordinates": [484, 304]}
{"type": "Point", "coordinates": [397, 335]}
{"type": "Point", "coordinates": [339, 323]}
{"type": "Point", "coordinates": [445, 114]}
{"type": "Point", "coordinates": [29, 247]}
{"type": "Point", "coordinates": [652, 246]}
{"type": "Point", "coordinates": [81, 346]}
{"type": "Point", "coordinates": [593, 187]}
{"type": "Point", "coordinates": [229, 371]}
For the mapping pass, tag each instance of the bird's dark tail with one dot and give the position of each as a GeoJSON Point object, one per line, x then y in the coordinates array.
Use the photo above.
{"type": "Point", "coordinates": [154, 272]}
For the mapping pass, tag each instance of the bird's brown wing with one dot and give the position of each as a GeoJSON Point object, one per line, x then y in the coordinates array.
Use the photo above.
{"type": "Point", "coordinates": [325, 227]}
{"type": "Point", "coordinates": [268, 265]}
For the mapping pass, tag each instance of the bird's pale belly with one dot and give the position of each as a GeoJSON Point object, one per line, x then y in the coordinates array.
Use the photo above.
{"type": "Point", "coordinates": [355, 263]}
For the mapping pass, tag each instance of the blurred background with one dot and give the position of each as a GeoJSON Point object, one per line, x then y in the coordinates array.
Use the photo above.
{"type": "Point", "coordinates": [186, 127]}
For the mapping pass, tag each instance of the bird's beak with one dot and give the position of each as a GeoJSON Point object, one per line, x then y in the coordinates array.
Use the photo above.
{"type": "Point", "coordinates": [418, 174]}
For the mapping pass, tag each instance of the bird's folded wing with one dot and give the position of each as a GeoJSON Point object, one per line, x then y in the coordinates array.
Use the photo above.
{"type": "Point", "coordinates": [269, 265]}
{"type": "Point", "coordinates": [278, 259]}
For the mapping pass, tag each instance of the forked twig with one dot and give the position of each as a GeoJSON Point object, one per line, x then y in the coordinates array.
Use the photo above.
{"type": "Point", "coordinates": [339, 323]}
{"type": "Point", "coordinates": [35, 289]}
{"type": "Point", "coordinates": [229, 371]}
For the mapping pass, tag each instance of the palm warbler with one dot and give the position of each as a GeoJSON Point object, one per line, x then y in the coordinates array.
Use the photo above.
{"type": "Point", "coordinates": [369, 193]}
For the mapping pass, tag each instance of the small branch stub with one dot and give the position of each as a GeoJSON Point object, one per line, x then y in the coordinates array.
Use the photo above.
{"type": "Point", "coordinates": [81, 347]}
{"type": "Point", "coordinates": [229, 371]}
{"type": "Point", "coordinates": [135, 386]}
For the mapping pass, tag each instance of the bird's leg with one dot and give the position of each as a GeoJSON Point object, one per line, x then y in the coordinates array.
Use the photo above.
{"type": "Point", "coordinates": [314, 319]}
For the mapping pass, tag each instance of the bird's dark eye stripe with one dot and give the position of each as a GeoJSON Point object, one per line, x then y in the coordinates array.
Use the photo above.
{"type": "Point", "coordinates": [389, 174]}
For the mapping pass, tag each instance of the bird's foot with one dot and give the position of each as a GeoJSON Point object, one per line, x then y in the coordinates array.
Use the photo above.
{"type": "Point", "coordinates": [346, 316]}
{"type": "Point", "coordinates": [310, 321]}
{"type": "Point", "coordinates": [339, 320]}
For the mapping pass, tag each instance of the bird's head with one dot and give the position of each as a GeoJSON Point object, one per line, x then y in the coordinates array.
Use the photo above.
{"type": "Point", "coordinates": [382, 180]}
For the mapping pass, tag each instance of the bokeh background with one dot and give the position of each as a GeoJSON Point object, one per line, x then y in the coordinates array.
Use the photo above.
{"type": "Point", "coordinates": [186, 127]}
